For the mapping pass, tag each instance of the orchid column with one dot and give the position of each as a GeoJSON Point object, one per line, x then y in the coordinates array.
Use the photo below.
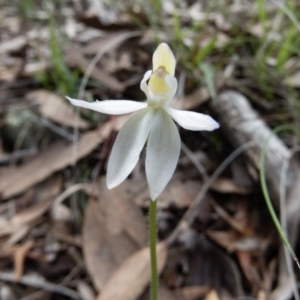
{"type": "Point", "coordinates": [152, 123]}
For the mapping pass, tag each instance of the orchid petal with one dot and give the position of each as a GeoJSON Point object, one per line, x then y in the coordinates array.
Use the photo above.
{"type": "Point", "coordinates": [171, 82]}
{"type": "Point", "coordinates": [111, 107]}
{"type": "Point", "coordinates": [193, 121]}
{"type": "Point", "coordinates": [128, 146]}
{"type": "Point", "coordinates": [163, 151]}
{"type": "Point", "coordinates": [164, 57]}
{"type": "Point", "coordinates": [144, 86]}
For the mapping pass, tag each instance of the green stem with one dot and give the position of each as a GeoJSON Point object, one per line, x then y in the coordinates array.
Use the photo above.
{"type": "Point", "coordinates": [265, 190]}
{"type": "Point", "coordinates": [152, 236]}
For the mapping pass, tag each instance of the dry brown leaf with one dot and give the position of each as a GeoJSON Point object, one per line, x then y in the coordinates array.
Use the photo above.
{"type": "Point", "coordinates": [34, 68]}
{"type": "Point", "coordinates": [20, 255]}
{"type": "Point", "coordinates": [98, 257]}
{"type": "Point", "coordinates": [248, 243]}
{"type": "Point", "coordinates": [85, 290]}
{"type": "Point", "coordinates": [195, 99]}
{"type": "Point", "coordinates": [238, 224]}
{"type": "Point", "coordinates": [74, 58]}
{"type": "Point", "coordinates": [10, 67]}
{"type": "Point", "coordinates": [257, 30]}
{"type": "Point", "coordinates": [124, 62]}
{"type": "Point", "coordinates": [56, 109]}
{"type": "Point", "coordinates": [200, 96]}
{"type": "Point", "coordinates": [212, 295]}
{"type": "Point", "coordinates": [20, 221]}
{"type": "Point", "coordinates": [227, 186]}
{"type": "Point", "coordinates": [177, 193]}
{"type": "Point", "coordinates": [262, 295]}
{"type": "Point", "coordinates": [114, 229]}
{"type": "Point", "coordinates": [225, 239]}
{"type": "Point", "coordinates": [240, 175]}
{"type": "Point", "coordinates": [233, 242]}
{"type": "Point", "coordinates": [93, 47]}
{"type": "Point", "coordinates": [18, 42]}
{"type": "Point", "coordinates": [103, 16]}
{"type": "Point", "coordinates": [8, 292]}
{"type": "Point", "coordinates": [166, 294]}
{"type": "Point", "coordinates": [24, 217]}
{"type": "Point", "coordinates": [132, 277]}
{"type": "Point", "coordinates": [193, 292]}
{"type": "Point", "coordinates": [17, 234]}
{"type": "Point", "coordinates": [293, 80]}
{"type": "Point", "coordinates": [246, 263]}
{"type": "Point", "coordinates": [56, 157]}
{"type": "Point", "coordinates": [121, 120]}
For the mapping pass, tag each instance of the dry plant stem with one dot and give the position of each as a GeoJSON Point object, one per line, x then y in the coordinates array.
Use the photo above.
{"type": "Point", "coordinates": [70, 191]}
{"type": "Point", "coordinates": [153, 257]}
{"type": "Point", "coordinates": [55, 128]}
{"type": "Point", "coordinates": [15, 155]}
{"type": "Point", "coordinates": [194, 160]}
{"type": "Point", "coordinates": [40, 284]}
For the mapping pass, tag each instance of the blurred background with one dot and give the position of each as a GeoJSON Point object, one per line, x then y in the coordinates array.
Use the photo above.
{"type": "Point", "coordinates": [63, 235]}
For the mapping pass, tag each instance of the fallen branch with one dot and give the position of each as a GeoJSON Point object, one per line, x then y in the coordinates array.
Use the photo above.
{"type": "Point", "coordinates": [241, 124]}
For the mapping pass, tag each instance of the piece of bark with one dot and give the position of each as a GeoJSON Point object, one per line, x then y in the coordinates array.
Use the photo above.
{"type": "Point", "coordinates": [242, 124]}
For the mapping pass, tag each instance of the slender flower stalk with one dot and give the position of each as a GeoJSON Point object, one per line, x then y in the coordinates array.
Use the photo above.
{"type": "Point", "coordinates": [153, 258]}
{"type": "Point", "coordinates": [153, 123]}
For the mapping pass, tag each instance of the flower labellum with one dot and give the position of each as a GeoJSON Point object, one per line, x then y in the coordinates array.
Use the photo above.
{"type": "Point", "coordinates": [153, 123]}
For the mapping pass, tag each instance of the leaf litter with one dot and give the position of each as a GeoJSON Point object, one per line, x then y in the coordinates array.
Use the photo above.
{"type": "Point", "coordinates": [63, 235]}
{"type": "Point", "coordinates": [112, 232]}
{"type": "Point", "coordinates": [55, 108]}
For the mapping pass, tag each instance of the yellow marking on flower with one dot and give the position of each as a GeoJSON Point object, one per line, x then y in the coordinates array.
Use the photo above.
{"type": "Point", "coordinates": [164, 57]}
{"type": "Point", "coordinates": [157, 81]}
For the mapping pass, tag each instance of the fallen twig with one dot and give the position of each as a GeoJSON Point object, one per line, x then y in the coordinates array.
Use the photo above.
{"type": "Point", "coordinates": [40, 283]}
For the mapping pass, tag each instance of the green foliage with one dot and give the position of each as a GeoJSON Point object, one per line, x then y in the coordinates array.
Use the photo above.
{"type": "Point", "coordinates": [60, 76]}
{"type": "Point", "coordinates": [25, 8]}
{"type": "Point", "coordinates": [261, 4]}
{"type": "Point", "coordinates": [288, 47]}
{"type": "Point", "coordinates": [209, 79]}
{"type": "Point", "coordinates": [205, 51]}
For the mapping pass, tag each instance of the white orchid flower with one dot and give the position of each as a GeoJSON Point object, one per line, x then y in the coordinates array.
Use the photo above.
{"type": "Point", "coordinates": [152, 124]}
